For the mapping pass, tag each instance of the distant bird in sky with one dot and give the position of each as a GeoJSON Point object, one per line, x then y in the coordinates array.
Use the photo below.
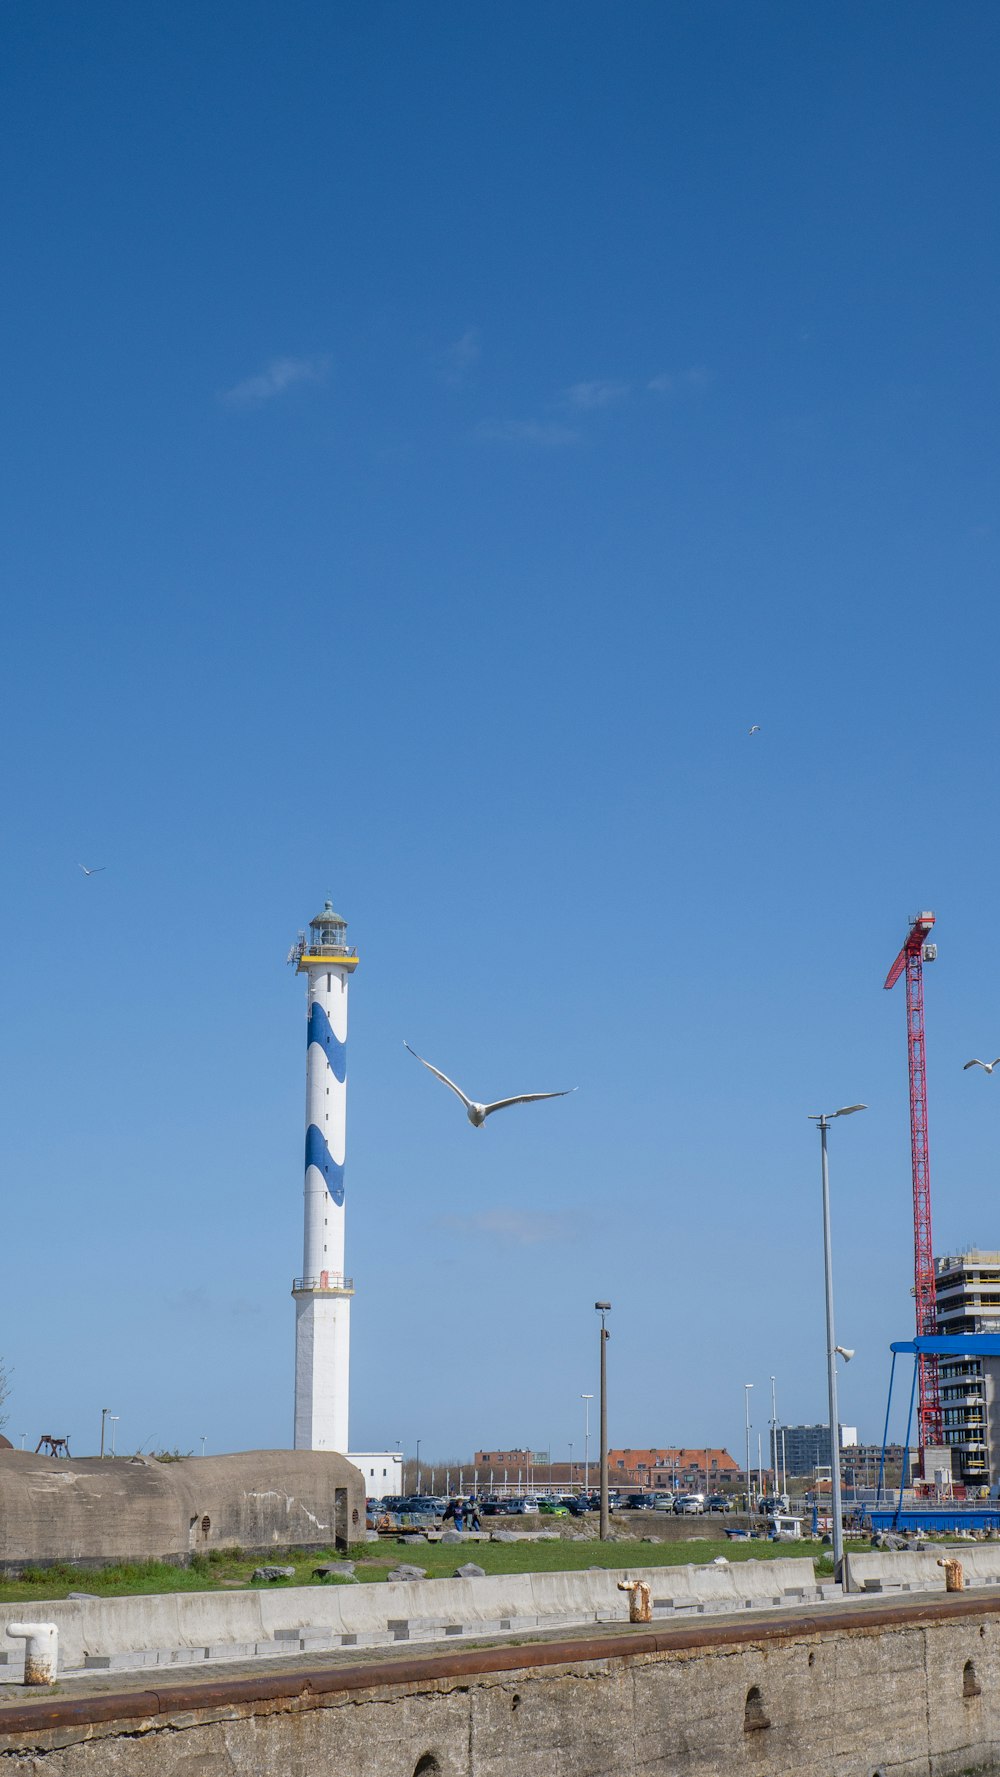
{"type": "Point", "coordinates": [755, 729]}
{"type": "Point", "coordinates": [987, 1066]}
{"type": "Point", "coordinates": [478, 1113]}
{"type": "Point", "coordinates": [95, 871]}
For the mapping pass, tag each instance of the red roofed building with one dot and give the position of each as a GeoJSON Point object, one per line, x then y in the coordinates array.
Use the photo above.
{"type": "Point", "coordinates": [665, 1467]}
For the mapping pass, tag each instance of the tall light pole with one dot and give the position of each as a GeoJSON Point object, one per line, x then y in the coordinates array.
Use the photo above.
{"type": "Point", "coordinates": [747, 1386]}
{"type": "Point", "coordinates": [104, 1414]}
{"type": "Point", "coordinates": [418, 1465]}
{"type": "Point", "coordinates": [824, 1119]}
{"type": "Point", "coordinates": [113, 1418]}
{"type": "Point", "coordinates": [604, 1308]}
{"type": "Point", "coordinates": [774, 1438]}
{"type": "Point", "coordinates": [586, 1399]}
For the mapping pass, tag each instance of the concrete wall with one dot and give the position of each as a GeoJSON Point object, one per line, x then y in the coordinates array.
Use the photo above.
{"type": "Point", "coordinates": [82, 1510]}
{"type": "Point", "coordinates": [209, 1623]}
{"type": "Point", "coordinates": [902, 1691]}
{"type": "Point", "coordinates": [920, 1570]}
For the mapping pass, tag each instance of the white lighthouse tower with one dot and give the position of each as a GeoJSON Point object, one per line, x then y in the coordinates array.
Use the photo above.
{"type": "Point", "coordinates": [323, 1293]}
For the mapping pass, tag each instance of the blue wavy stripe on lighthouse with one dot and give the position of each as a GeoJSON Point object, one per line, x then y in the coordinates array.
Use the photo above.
{"type": "Point", "coordinates": [318, 1155]}
{"type": "Point", "coordinates": [321, 1032]}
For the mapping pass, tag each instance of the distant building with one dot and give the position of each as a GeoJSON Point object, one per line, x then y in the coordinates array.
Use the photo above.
{"type": "Point", "coordinates": [968, 1301]}
{"type": "Point", "coordinates": [663, 1466]}
{"type": "Point", "coordinates": [804, 1448]}
{"type": "Point", "coordinates": [521, 1459]}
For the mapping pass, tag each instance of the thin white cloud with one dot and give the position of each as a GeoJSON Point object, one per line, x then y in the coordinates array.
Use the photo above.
{"type": "Point", "coordinates": [670, 382]}
{"type": "Point", "coordinates": [275, 379]}
{"type": "Point", "coordinates": [605, 392]}
{"type": "Point", "coordinates": [545, 434]}
{"type": "Point", "coordinates": [515, 1227]}
{"type": "Point", "coordinates": [461, 357]}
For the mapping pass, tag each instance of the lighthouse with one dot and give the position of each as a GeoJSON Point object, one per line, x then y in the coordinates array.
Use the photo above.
{"type": "Point", "coordinates": [323, 1292]}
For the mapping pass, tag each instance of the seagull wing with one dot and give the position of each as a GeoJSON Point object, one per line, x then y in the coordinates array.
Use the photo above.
{"type": "Point", "coordinates": [974, 1063]}
{"type": "Point", "coordinates": [436, 1070]}
{"type": "Point", "coordinates": [500, 1104]}
{"type": "Point", "coordinates": [95, 871]}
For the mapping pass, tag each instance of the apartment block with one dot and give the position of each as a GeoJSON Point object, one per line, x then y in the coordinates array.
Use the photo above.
{"type": "Point", "coordinates": [968, 1301]}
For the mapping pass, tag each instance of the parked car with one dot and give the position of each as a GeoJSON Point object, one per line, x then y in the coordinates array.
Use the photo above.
{"type": "Point", "coordinates": [717, 1502]}
{"type": "Point", "coordinates": [638, 1502]}
{"type": "Point", "coordinates": [663, 1502]}
{"type": "Point", "coordinates": [774, 1504]}
{"type": "Point", "coordinates": [689, 1503]}
{"type": "Point", "coordinates": [575, 1504]}
{"type": "Point", "coordinates": [553, 1508]}
{"type": "Point", "coordinates": [422, 1505]}
{"type": "Point", "coordinates": [515, 1508]}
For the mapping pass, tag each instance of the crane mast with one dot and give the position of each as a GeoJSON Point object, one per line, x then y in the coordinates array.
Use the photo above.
{"type": "Point", "coordinates": [915, 952]}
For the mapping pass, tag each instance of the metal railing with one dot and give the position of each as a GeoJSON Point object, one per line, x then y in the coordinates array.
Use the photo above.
{"type": "Point", "coordinates": [327, 1280]}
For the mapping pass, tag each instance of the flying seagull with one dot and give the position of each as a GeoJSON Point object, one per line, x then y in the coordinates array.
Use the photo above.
{"type": "Point", "coordinates": [95, 871]}
{"type": "Point", "coordinates": [987, 1066]}
{"type": "Point", "coordinates": [755, 729]}
{"type": "Point", "coordinates": [478, 1113]}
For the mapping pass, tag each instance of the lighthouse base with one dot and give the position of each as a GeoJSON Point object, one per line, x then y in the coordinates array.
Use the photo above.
{"type": "Point", "coordinates": [322, 1369]}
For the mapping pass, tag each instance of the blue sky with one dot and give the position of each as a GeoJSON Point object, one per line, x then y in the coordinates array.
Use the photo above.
{"type": "Point", "coordinates": [433, 439]}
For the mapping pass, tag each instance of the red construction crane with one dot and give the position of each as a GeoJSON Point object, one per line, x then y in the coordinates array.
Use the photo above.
{"type": "Point", "coordinates": [915, 952]}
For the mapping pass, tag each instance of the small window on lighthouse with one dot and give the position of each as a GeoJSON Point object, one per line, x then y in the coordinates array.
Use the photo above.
{"type": "Point", "coordinates": [329, 983]}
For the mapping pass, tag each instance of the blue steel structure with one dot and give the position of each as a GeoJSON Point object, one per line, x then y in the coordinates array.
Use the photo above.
{"type": "Point", "coordinates": [957, 1516]}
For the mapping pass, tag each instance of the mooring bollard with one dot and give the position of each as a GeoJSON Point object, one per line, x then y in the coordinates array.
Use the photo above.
{"type": "Point", "coordinates": [41, 1650]}
{"type": "Point", "coordinates": [954, 1575]}
{"type": "Point", "coordinates": [640, 1606]}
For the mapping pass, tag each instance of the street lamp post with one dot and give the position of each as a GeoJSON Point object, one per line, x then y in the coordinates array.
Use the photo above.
{"type": "Point", "coordinates": [104, 1414]}
{"type": "Point", "coordinates": [418, 1465]}
{"type": "Point", "coordinates": [824, 1119]}
{"type": "Point", "coordinates": [604, 1308]}
{"type": "Point", "coordinates": [113, 1418]}
{"type": "Point", "coordinates": [586, 1399]}
{"type": "Point", "coordinates": [747, 1386]}
{"type": "Point", "coordinates": [774, 1440]}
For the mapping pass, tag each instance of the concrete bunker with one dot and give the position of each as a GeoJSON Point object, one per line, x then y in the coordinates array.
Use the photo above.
{"type": "Point", "coordinates": [92, 1511]}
